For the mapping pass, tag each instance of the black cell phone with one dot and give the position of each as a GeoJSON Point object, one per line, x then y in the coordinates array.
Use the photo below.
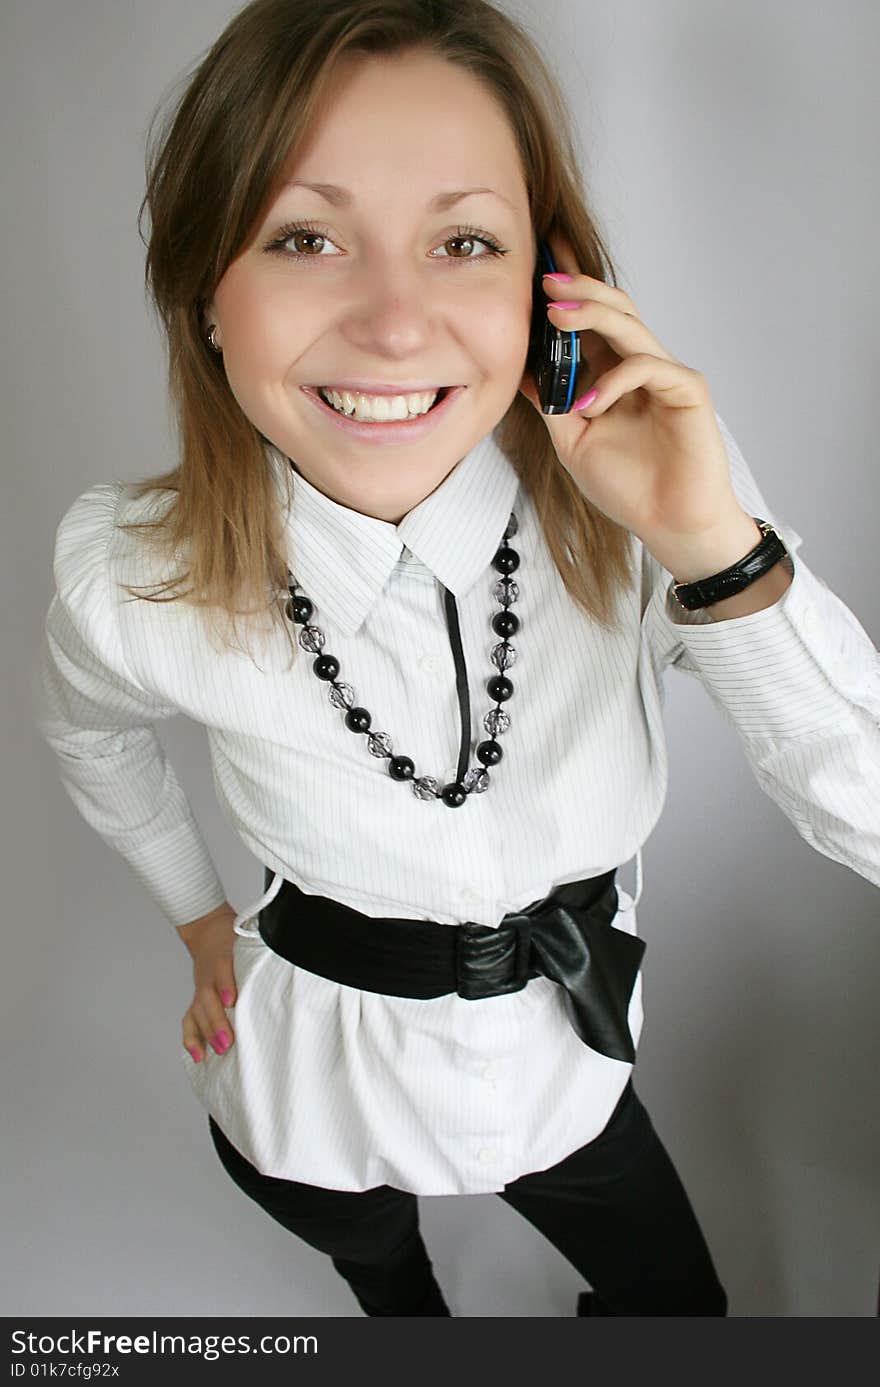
{"type": "Point", "coordinates": [553, 355]}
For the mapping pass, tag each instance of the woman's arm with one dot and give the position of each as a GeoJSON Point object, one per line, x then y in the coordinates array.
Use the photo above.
{"type": "Point", "coordinates": [196, 930]}
{"type": "Point", "coordinates": [799, 680]}
{"type": "Point", "coordinates": [98, 720]}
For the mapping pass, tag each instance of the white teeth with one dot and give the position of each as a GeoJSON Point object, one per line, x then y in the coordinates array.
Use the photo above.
{"type": "Point", "coordinates": [379, 408]}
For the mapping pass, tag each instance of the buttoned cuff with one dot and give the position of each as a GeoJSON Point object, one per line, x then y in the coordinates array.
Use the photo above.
{"type": "Point", "coordinates": [792, 669]}
{"type": "Point", "coordinates": [178, 872]}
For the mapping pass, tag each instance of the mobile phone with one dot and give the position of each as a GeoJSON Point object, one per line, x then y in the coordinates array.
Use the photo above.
{"type": "Point", "coordinates": [553, 354]}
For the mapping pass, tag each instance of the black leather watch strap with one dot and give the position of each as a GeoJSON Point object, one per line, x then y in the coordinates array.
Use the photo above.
{"type": "Point", "coordinates": [706, 591]}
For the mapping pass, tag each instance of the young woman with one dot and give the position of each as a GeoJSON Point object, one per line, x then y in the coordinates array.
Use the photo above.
{"type": "Point", "coordinates": [425, 624]}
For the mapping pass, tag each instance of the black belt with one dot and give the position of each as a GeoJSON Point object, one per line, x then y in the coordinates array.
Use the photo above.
{"type": "Point", "coordinates": [567, 937]}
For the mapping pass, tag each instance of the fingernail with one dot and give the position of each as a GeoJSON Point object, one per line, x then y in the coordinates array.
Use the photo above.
{"type": "Point", "coordinates": [559, 275]}
{"type": "Point", "coordinates": [226, 997]}
{"type": "Point", "coordinates": [221, 1041]}
{"type": "Point", "coordinates": [563, 303]}
{"type": "Point", "coordinates": [193, 1053]}
{"type": "Point", "coordinates": [586, 400]}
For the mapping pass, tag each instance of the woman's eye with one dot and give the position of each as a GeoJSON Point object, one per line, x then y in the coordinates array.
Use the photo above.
{"type": "Point", "coordinates": [306, 235]}
{"type": "Point", "coordinates": [471, 238]}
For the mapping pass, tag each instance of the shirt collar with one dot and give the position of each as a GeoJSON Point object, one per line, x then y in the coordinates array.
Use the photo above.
{"type": "Point", "coordinates": [342, 559]}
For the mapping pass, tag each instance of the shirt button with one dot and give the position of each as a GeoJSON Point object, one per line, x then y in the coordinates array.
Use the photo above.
{"type": "Point", "coordinates": [489, 1070]}
{"type": "Point", "coordinates": [431, 664]}
{"type": "Point", "coordinates": [470, 896]}
{"type": "Point", "coordinates": [488, 1154]}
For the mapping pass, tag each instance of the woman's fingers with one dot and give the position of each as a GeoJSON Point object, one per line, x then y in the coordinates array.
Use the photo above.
{"type": "Point", "coordinates": [206, 1023]}
{"type": "Point", "coordinates": [225, 982]}
{"type": "Point", "coordinates": [624, 332]}
{"type": "Point", "coordinates": [677, 385]}
{"type": "Point", "coordinates": [192, 1041]}
{"type": "Point", "coordinates": [216, 1027]}
{"type": "Point", "coordinates": [579, 286]}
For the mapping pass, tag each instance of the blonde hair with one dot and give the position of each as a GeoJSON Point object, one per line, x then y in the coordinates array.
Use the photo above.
{"type": "Point", "coordinates": [217, 161]}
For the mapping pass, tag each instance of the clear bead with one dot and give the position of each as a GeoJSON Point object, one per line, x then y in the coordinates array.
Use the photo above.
{"type": "Point", "coordinates": [506, 592]}
{"type": "Point", "coordinates": [503, 655]}
{"type": "Point", "coordinates": [342, 695]}
{"type": "Point", "coordinates": [476, 780]}
{"type": "Point", "coordinates": [311, 638]}
{"type": "Point", "coordinates": [379, 744]}
{"type": "Point", "coordinates": [497, 722]}
{"type": "Point", "coordinates": [426, 787]}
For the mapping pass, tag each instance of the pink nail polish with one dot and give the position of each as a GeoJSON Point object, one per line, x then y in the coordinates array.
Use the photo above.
{"type": "Point", "coordinates": [226, 997]}
{"type": "Point", "coordinates": [221, 1041]}
{"type": "Point", "coordinates": [586, 400]}
{"type": "Point", "coordinates": [563, 303]}
{"type": "Point", "coordinates": [559, 275]}
{"type": "Point", "coordinates": [193, 1053]}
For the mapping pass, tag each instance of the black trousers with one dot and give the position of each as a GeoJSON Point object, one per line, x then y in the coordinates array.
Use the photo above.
{"type": "Point", "coordinates": [615, 1208]}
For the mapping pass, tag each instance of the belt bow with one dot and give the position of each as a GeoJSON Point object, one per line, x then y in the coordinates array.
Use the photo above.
{"type": "Point", "coordinates": [575, 946]}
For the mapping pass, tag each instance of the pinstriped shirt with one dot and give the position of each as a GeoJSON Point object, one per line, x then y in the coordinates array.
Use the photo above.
{"type": "Point", "coordinates": [345, 1088]}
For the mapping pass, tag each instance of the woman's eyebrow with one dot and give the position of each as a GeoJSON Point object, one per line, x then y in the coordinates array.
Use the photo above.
{"type": "Point", "coordinates": [342, 197]}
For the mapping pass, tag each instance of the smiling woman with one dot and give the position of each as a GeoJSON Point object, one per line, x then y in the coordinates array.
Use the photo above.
{"type": "Point", "coordinates": [348, 197]}
{"type": "Point", "coordinates": [438, 988]}
{"type": "Point", "coordinates": [326, 328]}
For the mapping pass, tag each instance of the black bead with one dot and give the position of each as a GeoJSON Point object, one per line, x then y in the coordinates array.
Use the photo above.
{"type": "Point", "coordinates": [299, 608]}
{"type": "Point", "coordinates": [326, 666]}
{"type": "Point", "coordinates": [357, 720]}
{"type": "Point", "coordinates": [489, 753]}
{"type": "Point", "coordinates": [401, 768]}
{"type": "Point", "coordinates": [505, 624]}
{"type": "Point", "coordinates": [506, 559]}
{"type": "Point", "coordinates": [453, 794]}
{"type": "Point", "coordinates": [500, 688]}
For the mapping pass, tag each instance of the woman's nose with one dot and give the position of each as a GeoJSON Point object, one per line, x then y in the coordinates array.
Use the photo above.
{"type": "Point", "coordinates": [393, 308]}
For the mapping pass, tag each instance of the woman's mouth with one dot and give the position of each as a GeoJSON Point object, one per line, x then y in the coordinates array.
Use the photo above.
{"type": "Point", "coordinates": [382, 409]}
{"type": "Point", "coordinates": [385, 418]}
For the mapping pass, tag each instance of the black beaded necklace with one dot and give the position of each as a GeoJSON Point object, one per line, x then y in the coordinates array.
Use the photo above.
{"type": "Point", "coordinates": [299, 608]}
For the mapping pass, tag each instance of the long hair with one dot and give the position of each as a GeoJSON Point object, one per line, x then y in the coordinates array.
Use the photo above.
{"type": "Point", "coordinates": [211, 171]}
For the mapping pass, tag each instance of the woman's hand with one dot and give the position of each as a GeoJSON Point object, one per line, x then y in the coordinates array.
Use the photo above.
{"type": "Point", "coordinates": [210, 940]}
{"type": "Point", "coordinates": [647, 451]}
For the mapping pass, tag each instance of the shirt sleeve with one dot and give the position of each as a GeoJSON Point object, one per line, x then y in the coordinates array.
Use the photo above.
{"type": "Point", "coordinates": [99, 722]}
{"type": "Point", "coordinates": [799, 682]}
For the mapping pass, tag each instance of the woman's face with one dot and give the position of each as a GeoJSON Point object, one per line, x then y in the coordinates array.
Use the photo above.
{"type": "Point", "coordinates": [383, 294]}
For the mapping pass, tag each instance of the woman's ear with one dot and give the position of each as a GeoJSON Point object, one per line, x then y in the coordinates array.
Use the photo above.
{"type": "Point", "coordinates": [209, 322]}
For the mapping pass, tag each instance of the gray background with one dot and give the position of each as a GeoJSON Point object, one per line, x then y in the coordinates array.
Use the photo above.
{"type": "Point", "coordinates": [732, 155]}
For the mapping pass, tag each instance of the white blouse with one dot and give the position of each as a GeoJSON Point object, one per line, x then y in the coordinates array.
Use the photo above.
{"type": "Point", "coordinates": [346, 1088]}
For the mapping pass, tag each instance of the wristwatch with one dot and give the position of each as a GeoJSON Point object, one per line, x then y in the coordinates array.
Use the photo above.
{"type": "Point", "coordinates": [706, 591]}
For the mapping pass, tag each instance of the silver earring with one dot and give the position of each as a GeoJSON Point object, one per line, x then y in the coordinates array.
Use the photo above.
{"type": "Point", "coordinates": [211, 341]}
